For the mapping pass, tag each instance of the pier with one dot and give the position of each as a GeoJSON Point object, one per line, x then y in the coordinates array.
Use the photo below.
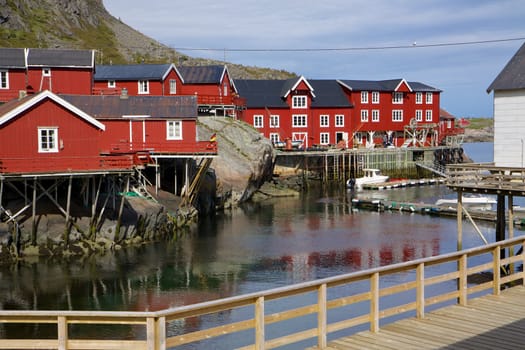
{"type": "Point", "coordinates": [366, 305]}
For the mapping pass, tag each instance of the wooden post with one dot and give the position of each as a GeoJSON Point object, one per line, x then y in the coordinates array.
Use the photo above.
{"type": "Point", "coordinates": [459, 219]}
{"type": "Point", "coordinates": [259, 324]}
{"type": "Point", "coordinates": [33, 215]}
{"type": "Point", "coordinates": [321, 316]}
{"type": "Point", "coordinates": [462, 281]}
{"type": "Point", "coordinates": [420, 291]}
{"type": "Point", "coordinates": [510, 211]}
{"type": "Point", "coordinates": [68, 207]}
{"type": "Point", "coordinates": [374, 303]}
{"type": "Point", "coordinates": [62, 333]}
{"type": "Point", "coordinates": [496, 280]}
{"type": "Point", "coordinates": [500, 221]}
{"type": "Point", "coordinates": [94, 221]}
{"type": "Point", "coordinates": [121, 209]}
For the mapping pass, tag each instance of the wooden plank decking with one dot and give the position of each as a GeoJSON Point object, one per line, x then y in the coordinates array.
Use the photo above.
{"type": "Point", "coordinates": [488, 322]}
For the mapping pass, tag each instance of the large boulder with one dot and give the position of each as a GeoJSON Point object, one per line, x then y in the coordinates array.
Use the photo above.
{"type": "Point", "coordinates": [245, 160]}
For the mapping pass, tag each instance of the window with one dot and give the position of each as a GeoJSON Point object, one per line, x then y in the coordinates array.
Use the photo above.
{"type": "Point", "coordinates": [428, 115]}
{"type": "Point", "coordinates": [324, 120]}
{"type": "Point", "coordinates": [274, 137]}
{"type": "Point", "coordinates": [112, 84]}
{"type": "Point", "coordinates": [375, 115]}
{"type": "Point", "coordinates": [364, 96]}
{"type": "Point", "coordinates": [375, 97]}
{"type": "Point", "coordinates": [428, 98]}
{"type": "Point", "coordinates": [274, 121]}
{"type": "Point", "coordinates": [299, 102]}
{"type": "Point", "coordinates": [46, 72]}
{"type": "Point", "coordinates": [4, 79]}
{"type": "Point", "coordinates": [173, 87]}
{"type": "Point", "coordinates": [419, 98]}
{"type": "Point", "coordinates": [298, 120]}
{"type": "Point", "coordinates": [174, 130]}
{"type": "Point", "coordinates": [364, 115]}
{"type": "Point", "coordinates": [258, 121]}
{"type": "Point", "coordinates": [225, 89]}
{"type": "Point", "coordinates": [324, 138]}
{"type": "Point", "coordinates": [47, 140]}
{"type": "Point", "coordinates": [419, 115]}
{"type": "Point", "coordinates": [397, 98]}
{"type": "Point", "coordinates": [397, 115]}
{"type": "Point", "coordinates": [339, 120]}
{"type": "Point", "coordinates": [143, 87]}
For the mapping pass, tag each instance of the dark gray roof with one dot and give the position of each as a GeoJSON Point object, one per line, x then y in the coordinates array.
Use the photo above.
{"type": "Point", "coordinates": [132, 72]}
{"type": "Point", "coordinates": [12, 58]}
{"type": "Point", "coordinates": [202, 74]}
{"type": "Point", "coordinates": [512, 77]}
{"type": "Point", "coordinates": [60, 58]}
{"type": "Point", "coordinates": [269, 93]}
{"type": "Point", "coordinates": [385, 85]}
{"type": "Point", "coordinates": [114, 107]}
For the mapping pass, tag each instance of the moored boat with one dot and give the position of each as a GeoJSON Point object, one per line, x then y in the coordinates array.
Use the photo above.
{"type": "Point", "coordinates": [371, 176]}
{"type": "Point", "coordinates": [476, 203]}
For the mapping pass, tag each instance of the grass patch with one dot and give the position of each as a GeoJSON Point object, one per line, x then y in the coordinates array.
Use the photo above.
{"type": "Point", "coordinates": [480, 123]}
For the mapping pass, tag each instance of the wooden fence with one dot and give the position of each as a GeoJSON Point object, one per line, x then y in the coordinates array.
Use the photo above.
{"type": "Point", "coordinates": [378, 282]}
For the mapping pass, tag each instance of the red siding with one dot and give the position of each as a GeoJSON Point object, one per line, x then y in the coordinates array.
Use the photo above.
{"type": "Point", "coordinates": [17, 82]}
{"type": "Point", "coordinates": [78, 141]}
{"type": "Point", "coordinates": [61, 81]}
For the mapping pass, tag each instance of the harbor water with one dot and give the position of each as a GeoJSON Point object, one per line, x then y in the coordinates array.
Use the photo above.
{"type": "Point", "coordinates": [260, 246]}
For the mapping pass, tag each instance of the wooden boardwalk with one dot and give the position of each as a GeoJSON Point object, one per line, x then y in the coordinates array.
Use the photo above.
{"type": "Point", "coordinates": [488, 322]}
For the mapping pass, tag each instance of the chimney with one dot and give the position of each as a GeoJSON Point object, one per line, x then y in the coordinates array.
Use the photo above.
{"type": "Point", "coordinates": [124, 94]}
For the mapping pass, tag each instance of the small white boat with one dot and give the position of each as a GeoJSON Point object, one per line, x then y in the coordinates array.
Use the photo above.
{"type": "Point", "coordinates": [371, 176]}
{"type": "Point", "coordinates": [476, 203]}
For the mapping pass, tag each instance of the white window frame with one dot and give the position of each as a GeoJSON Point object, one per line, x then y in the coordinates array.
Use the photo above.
{"type": "Point", "coordinates": [173, 86]}
{"type": "Point", "coordinates": [428, 115]}
{"type": "Point", "coordinates": [143, 87]}
{"type": "Point", "coordinates": [274, 137]}
{"type": "Point", "coordinates": [275, 121]}
{"type": "Point", "coordinates": [324, 138]}
{"type": "Point", "coordinates": [375, 115]}
{"type": "Point", "coordinates": [174, 130]}
{"type": "Point", "coordinates": [324, 121]}
{"type": "Point", "coordinates": [397, 98]}
{"type": "Point", "coordinates": [428, 98]}
{"type": "Point", "coordinates": [364, 115]}
{"type": "Point", "coordinates": [46, 72]}
{"type": "Point", "coordinates": [419, 115]}
{"type": "Point", "coordinates": [4, 79]}
{"type": "Point", "coordinates": [419, 98]}
{"type": "Point", "coordinates": [225, 89]}
{"type": "Point", "coordinates": [48, 139]}
{"type": "Point", "coordinates": [364, 96]}
{"type": "Point", "coordinates": [299, 121]}
{"type": "Point", "coordinates": [112, 84]}
{"type": "Point", "coordinates": [397, 115]}
{"type": "Point", "coordinates": [258, 121]}
{"type": "Point", "coordinates": [339, 120]}
{"type": "Point", "coordinates": [299, 101]}
{"type": "Point", "coordinates": [375, 97]}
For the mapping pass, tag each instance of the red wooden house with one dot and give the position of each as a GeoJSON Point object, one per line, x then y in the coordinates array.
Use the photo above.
{"type": "Point", "coordinates": [137, 79]}
{"type": "Point", "coordinates": [393, 112]}
{"type": "Point", "coordinates": [302, 112]}
{"type": "Point", "coordinates": [215, 90]}
{"type": "Point", "coordinates": [43, 133]}
{"type": "Point", "coordinates": [28, 71]}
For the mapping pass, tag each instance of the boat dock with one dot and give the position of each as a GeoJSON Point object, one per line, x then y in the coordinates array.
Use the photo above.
{"type": "Point", "coordinates": [402, 183]}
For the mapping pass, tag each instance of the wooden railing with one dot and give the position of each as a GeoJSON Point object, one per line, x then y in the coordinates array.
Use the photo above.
{"type": "Point", "coordinates": [412, 293]}
{"type": "Point", "coordinates": [486, 177]}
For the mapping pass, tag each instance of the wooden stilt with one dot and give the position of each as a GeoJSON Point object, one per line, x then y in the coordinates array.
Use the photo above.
{"type": "Point", "coordinates": [460, 221]}
{"type": "Point", "coordinates": [68, 207]}
{"type": "Point", "coordinates": [33, 215]}
{"type": "Point", "coordinates": [175, 179]}
{"type": "Point", "coordinates": [94, 222]}
{"type": "Point", "coordinates": [121, 209]}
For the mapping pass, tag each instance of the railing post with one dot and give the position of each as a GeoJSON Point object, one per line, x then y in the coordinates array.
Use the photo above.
{"type": "Point", "coordinates": [150, 333]}
{"type": "Point", "coordinates": [374, 302]}
{"type": "Point", "coordinates": [420, 290]}
{"type": "Point", "coordinates": [161, 333]}
{"type": "Point", "coordinates": [321, 316]}
{"type": "Point", "coordinates": [259, 324]}
{"type": "Point", "coordinates": [462, 280]}
{"type": "Point", "coordinates": [496, 253]}
{"type": "Point", "coordinates": [62, 333]}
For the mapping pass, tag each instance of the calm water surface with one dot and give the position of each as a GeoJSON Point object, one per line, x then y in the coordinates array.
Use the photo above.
{"type": "Point", "coordinates": [260, 246]}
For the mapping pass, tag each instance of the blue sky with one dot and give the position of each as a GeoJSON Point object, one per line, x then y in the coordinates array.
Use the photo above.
{"type": "Point", "coordinates": [341, 28]}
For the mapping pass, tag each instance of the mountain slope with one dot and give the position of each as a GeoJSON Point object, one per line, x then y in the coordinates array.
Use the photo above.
{"type": "Point", "coordinates": [86, 24]}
